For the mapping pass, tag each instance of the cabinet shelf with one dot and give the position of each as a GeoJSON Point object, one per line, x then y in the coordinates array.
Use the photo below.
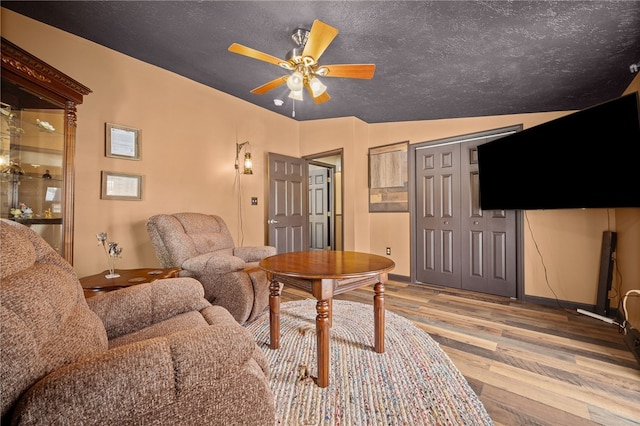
{"type": "Point", "coordinates": [10, 177]}
{"type": "Point", "coordinates": [39, 221]}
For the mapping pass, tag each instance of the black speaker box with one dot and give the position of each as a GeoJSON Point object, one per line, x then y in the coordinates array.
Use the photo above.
{"type": "Point", "coordinates": [609, 240]}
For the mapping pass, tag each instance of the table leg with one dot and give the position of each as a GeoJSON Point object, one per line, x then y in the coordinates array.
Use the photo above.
{"type": "Point", "coordinates": [322, 336]}
{"type": "Point", "coordinates": [378, 316]}
{"type": "Point", "coordinates": [274, 314]}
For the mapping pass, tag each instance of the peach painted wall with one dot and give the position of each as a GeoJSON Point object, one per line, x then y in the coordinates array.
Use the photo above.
{"type": "Point", "coordinates": [188, 146]}
{"type": "Point", "coordinates": [627, 258]}
{"type": "Point", "coordinates": [188, 149]}
{"type": "Point", "coordinates": [569, 240]}
{"type": "Point", "coordinates": [350, 134]}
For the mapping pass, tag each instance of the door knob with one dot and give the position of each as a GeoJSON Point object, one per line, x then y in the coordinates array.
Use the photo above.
{"type": "Point", "coordinates": [272, 221]}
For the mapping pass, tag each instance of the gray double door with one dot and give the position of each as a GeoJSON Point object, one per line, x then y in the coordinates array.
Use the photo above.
{"type": "Point", "coordinates": [457, 244]}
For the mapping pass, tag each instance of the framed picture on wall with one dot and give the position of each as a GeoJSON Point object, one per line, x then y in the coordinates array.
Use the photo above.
{"type": "Point", "coordinates": [389, 178]}
{"type": "Point", "coordinates": [121, 186]}
{"type": "Point", "coordinates": [122, 142]}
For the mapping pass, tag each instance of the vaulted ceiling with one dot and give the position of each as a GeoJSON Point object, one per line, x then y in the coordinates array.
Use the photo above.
{"type": "Point", "coordinates": [434, 59]}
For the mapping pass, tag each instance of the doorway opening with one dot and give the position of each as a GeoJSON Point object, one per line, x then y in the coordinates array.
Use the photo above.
{"type": "Point", "coordinates": [290, 202]}
{"type": "Point", "coordinates": [325, 220]}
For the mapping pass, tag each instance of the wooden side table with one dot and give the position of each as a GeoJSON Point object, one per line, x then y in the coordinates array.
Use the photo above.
{"type": "Point", "coordinates": [95, 284]}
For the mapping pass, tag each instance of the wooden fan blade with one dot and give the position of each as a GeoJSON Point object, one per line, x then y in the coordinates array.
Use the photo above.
{"type": "Point", "coordinates": [255, 54]}
{"type": "Point", "coordinates": [270, 85]}
{"type": "Point", "coordinates": [320, 37]}
{"type": "Point", "coordinates": [363, 71]}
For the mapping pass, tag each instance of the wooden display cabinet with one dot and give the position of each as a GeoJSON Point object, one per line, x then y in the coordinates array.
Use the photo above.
{"type": "Point", "coordinates": [37, 146]}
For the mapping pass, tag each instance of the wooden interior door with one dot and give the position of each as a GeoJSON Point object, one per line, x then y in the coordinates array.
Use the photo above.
{"type": "Point", "coordinates": [287, 221]}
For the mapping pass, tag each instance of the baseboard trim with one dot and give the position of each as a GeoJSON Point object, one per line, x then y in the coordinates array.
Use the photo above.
{"type": "Point", "coordinates": [566, 304]}
{"type": "Point", "coordinates": [543, 301]}
{"type": "Point", "coordinates": [400, 278]}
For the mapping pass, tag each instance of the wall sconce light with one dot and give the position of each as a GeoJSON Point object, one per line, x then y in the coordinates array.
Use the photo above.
{"type": "Point", "coordinates": [248, 164]}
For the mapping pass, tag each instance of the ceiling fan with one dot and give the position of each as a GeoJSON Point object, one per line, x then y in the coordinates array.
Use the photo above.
{"type": "Point", "coordinates": [302, 61]}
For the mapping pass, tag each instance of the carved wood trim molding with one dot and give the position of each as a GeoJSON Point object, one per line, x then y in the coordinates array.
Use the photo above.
{"type": "Point", "coordinates": [21, 63]}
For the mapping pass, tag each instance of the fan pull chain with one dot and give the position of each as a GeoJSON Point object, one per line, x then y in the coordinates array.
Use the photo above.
{"type": "Point", "coordinates": [293, 113]}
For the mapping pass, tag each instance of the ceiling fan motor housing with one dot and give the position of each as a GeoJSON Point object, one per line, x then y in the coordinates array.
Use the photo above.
{"type": "Point", "coordinates": [294, 53]}
{"type": "Point", "coordinates": [300, 36]}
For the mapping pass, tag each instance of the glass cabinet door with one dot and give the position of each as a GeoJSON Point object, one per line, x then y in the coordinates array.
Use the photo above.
{"type": "Point", "coordinates": [31, 162]}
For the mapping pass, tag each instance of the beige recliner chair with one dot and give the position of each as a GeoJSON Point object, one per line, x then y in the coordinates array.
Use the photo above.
{"type": "Point", "coordinates": [202, 246]}
{"type": "Point", "coordinates": [152, 354]}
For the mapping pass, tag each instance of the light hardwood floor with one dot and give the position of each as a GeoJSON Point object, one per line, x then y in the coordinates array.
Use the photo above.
{"type": "Point", "coordinates": [529, 364]}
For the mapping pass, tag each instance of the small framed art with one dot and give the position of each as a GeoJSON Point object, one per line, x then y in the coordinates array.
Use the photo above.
{"type": "Point", "coordinates": [121, 186]}
{"type": "Point", "coordinates": [122, 142]}
{"type": "Point", "coordinates": [388, 178]}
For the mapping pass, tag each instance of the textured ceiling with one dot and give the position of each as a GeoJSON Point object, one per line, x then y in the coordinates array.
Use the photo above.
{"type": "Point", "coordinates": [435, 59]}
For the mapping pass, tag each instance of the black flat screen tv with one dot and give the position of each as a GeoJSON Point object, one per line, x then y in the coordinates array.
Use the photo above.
{"type": "Point", "coordinates": [587, 159]}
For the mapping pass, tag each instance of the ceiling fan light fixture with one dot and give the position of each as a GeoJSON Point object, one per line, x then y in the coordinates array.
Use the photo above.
{"type": "Point", "coordinates": [295, 81]}
{"type": "Point", "coordinates": [317, 87]}
{"type": "Point", "coordinates": [322, 71]}
{"type": "Point", "coordinates": [303, 66]}
{"type": "Point", "coordinates": [296, 95]}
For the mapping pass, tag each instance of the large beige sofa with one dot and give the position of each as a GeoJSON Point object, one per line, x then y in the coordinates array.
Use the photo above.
{"type": "Point", "coordinates": [157, 353]}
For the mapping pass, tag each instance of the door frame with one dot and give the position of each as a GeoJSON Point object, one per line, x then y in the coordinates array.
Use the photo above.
{"type": "Point", "coordinates": [320, 160]}
{"type": "Point", "coordinates": [337, 188]}
{"type": "Point", "coordinates": [329, 169]}
{"type": "Point", "coordinates": [413, 240]}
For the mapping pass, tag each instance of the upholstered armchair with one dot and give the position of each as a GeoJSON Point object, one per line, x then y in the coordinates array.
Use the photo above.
{"type": "Point", "coordinates": [202, 246]}
{"type": "Point", "coordinates": [156, 353]}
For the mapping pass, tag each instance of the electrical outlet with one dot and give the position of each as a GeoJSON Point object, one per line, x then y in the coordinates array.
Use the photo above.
{"type": "Point", "coordinates": [388, 251]}
{"type": "Point", "coordinates": [254, 201]}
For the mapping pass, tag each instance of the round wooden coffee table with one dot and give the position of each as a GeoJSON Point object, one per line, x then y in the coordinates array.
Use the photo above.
{"type": "Point", "coordinates": [325, 274]}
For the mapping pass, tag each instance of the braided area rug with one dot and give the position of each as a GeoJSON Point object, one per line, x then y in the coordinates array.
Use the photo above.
{"type": "Point", "coordinates": [412, 383]}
